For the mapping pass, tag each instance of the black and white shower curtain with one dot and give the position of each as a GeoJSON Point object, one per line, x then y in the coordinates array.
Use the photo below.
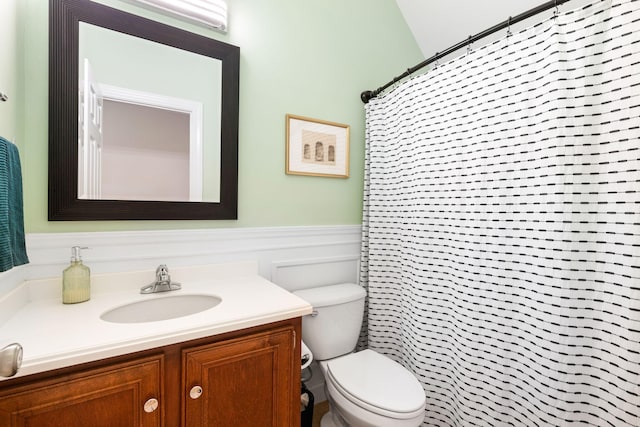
{"type": "Point", "coordinates": [501, 233]}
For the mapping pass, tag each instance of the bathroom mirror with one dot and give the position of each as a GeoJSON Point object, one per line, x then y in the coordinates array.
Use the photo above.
{"type": "Point", "coordinates": [197, 87]}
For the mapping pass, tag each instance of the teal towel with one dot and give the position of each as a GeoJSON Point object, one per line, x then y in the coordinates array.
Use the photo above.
{"type": "Point", "coordinates": [12, 247]}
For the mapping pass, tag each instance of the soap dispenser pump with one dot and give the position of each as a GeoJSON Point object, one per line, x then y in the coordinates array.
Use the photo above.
{"type": "Point", "coordinates": [76, 279]}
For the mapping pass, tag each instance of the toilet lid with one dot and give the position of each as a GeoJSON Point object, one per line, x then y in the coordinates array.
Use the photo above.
{"type": "Point", "coordinates": [377, 381]}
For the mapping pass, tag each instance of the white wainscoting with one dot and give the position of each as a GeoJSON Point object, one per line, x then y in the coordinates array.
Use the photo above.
{"type": "Point", "coordinates": [307, 273]}
{"type": "Point", "coordinates": [292, 257]}
{"type": "Point", "coordinates": [12, 278]}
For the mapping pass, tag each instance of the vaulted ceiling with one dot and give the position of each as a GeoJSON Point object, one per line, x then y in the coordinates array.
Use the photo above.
{"type": "Point", "coordinates": [438, 24]}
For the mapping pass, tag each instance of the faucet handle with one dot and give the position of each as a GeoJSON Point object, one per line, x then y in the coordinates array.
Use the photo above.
{"type": "Point", "coordinates": [162, 273]}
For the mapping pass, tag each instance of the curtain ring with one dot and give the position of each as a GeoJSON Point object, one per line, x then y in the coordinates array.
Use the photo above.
{"type": "Point", "coordinates": [437, 60]}
{"type": "Point", "coordinates": [556, 11]}
{"type": "Point", "coordinates": [509, 33]}
{"type": "Point", "coordinates": [469, 45]}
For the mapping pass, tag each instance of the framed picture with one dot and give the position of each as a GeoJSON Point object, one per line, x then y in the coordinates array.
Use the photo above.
{"type": "Point", "coordinates": [317, 147]}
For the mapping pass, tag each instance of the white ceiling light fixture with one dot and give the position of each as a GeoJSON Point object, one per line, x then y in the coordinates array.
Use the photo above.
{"type": "Point", "coordinates": [212, 13]}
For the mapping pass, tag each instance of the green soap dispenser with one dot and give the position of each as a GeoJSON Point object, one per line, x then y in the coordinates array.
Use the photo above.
{"type": "Point", "coordinates": [76, 279]}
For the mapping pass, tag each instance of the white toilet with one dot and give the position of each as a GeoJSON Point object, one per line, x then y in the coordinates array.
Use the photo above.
{"type": "Point", "coordinates": [365, 389]}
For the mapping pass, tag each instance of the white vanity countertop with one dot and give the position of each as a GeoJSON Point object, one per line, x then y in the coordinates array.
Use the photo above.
{"type": "Point", "coordinates": [55, 335]}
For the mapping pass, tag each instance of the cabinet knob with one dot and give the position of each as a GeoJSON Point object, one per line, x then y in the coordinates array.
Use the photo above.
{"type": "Point", "coordinates": [195, 392]}
{"type": "Point", "coordinates": [150, 405]}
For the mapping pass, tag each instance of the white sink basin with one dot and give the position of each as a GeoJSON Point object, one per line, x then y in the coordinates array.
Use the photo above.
{"type": "Point", "coordinates": [160, 308]}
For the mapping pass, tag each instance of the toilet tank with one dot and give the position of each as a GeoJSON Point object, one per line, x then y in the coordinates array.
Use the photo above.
{"type": "Point", "coordinates": [335, 329]}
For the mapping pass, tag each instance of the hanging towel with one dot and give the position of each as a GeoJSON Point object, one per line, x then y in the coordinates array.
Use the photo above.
{"type": "Point", "coordinates": [12, 246]}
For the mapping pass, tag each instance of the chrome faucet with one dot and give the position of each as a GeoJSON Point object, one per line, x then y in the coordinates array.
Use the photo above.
{"type": "Point", "coordinates": [162, 283]}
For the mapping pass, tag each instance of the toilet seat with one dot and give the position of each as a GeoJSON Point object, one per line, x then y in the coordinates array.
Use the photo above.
{"type": "Point", "coordinates": [377, 384]}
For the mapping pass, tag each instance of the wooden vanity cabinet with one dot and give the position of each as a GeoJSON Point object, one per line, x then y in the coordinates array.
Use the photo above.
{"type": "Point", "coordinates": [242, 378]}
{"type": "Point", "coordinates": [103, 397]}
{"type": "Point", "coordinates": [241, 382]}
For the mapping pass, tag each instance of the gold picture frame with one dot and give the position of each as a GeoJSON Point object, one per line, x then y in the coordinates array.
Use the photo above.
{"type": "Point", "coordinates": [316, 147]}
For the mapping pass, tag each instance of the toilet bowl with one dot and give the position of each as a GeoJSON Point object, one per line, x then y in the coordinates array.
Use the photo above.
{"type": "Point", "coordinates": [365, 388]}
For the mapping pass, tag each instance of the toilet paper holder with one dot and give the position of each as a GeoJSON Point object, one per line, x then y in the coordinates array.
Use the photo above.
{"type": "Point", "coordinates": [306, 357]}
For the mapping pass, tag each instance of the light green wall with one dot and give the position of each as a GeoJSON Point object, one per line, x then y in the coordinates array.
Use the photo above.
{"type": "Point", "coordinates": [299, 57]}
{"type": "Point", "coordinates": [8, 68]}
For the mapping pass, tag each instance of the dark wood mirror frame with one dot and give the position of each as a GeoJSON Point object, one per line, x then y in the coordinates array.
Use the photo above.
{"type": "Point", "coordinates": [64, 205]}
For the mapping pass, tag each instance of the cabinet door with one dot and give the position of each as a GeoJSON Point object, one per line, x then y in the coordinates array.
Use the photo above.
{"type": "Point", "coordinates": [247, 381]}
{"type": "Point", "coordinates": [106, 397]}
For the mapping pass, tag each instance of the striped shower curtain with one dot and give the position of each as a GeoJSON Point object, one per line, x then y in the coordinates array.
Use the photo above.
{"type": "Point", "coordinates": [501, 233]}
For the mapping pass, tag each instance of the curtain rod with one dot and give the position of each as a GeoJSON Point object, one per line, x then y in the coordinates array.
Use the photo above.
{"type": "Point", "coordinates": [369, 94]}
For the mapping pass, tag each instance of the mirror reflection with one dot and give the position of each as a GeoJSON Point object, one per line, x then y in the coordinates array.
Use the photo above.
{"type": "Point", "coordinates": [146, 71]}
{"type": "Point", "coordinates": [141, 133]}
